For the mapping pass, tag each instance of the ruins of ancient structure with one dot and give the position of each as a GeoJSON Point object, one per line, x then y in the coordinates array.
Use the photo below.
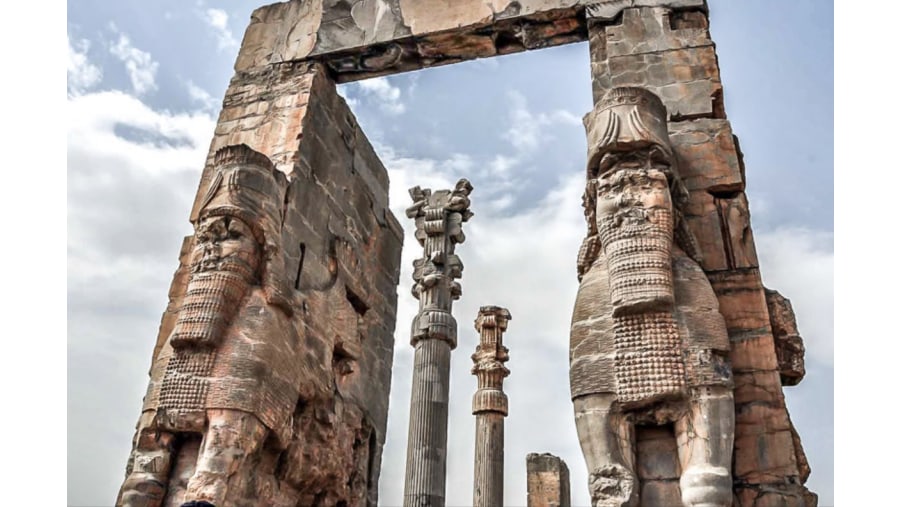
{"type": "Point", "coordinates": [271, 372]}
{"type": "Point", "coordinates": [649, 346]}
{"type": "Point", "coordinates": [548, 481]}
{"type": "Point", "coordinates": [439, 217]}
{"type": "Point", "coordinates": [489, 405]}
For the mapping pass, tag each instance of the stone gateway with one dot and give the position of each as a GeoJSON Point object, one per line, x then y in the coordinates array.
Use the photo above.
{"type": "Point", "coordinates": [271, 372]}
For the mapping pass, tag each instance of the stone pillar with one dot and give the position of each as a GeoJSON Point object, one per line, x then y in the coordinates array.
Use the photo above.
{"type": "Point", "coordinates": [439, 217]}
{"type": "Point", "coordinates": [490, 405]}
{"type": "Point", "coordinates": [548, 481]}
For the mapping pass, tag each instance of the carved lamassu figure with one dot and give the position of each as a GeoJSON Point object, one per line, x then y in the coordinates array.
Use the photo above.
{"type": "Point", "coordinates": [226, 381]}
{"type": "Point", "coordinates": [648, 345]}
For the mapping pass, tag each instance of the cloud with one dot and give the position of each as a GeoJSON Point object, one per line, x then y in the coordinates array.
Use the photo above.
{"type": "Point", "coordinates": [526, 130]}
{"type": "Point", "coordinates": [218, 20]}
{"type": "Point", "coordinates": [81, 74]}
{"type": "Point", "coordinates": [387, 95]}
{"type": "Point", "coordinates": [799, 263]}
{"type": "Point", "coordinates": [201, 96]}
{"type": "Point", "coordinates": [132, 173]}
{"type": "Point", "coordinates": [140, 65]}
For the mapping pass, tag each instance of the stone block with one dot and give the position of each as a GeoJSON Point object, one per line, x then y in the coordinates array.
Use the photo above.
{"type": "Point", "coordinates": [661, 493]}
{"type": "Point", "coordinates": [650, 30]}
{"type": "Point", "coordinates": [753, 352]}
{"type": "Point", "coordinates": [280, 32]}
{"type": "Point", "coordinates": [687, 80]}
{"type": "Point", "coordinates": [757, 457]}
{"type": "Point", "coordinates": [788, 343]}
{"type": "Point", "coordinates": [702, 217]}
{"type": "Point", "coordinates": [755, 385]}
{"type": "Point", "coordinates": [657, 455]}
{"type": "Point", "coordinates": [708, 158]}
{"type": "Point", "coordinates": [734, 214]}
{"type": "Point", "coordinates": [548, 481]}
{"type": "Point", "coordinates": [742, 302]}
{"type": "Point", "coordinates": [770, 496]}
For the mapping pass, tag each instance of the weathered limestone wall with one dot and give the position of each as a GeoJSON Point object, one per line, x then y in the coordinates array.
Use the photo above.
{"type": "Point", "coordinates": [548, 481]}
{"type": "Point", "coordinates": [341, 247]}
{"type": "Point", "coordinates": [669, 52]}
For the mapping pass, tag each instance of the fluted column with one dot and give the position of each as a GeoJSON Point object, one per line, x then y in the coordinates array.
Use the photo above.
{"type": "Point", "coordinates": [489, 405]}
{"type": "Point", "coordinates": [439, 217]}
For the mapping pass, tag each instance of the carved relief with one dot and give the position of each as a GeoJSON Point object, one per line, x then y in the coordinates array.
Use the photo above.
{"type": "Point", "coordinates": [645, 308]}
{"type": "Point", "coordinates": [439, 217]}
{"type": "Point", "coordinates": [225, 373]}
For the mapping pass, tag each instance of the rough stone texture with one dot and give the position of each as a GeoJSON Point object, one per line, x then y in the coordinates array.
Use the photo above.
{"type": "Point", "coordinates": [548, 481]}
{"type": "Point", "coordinates": [669, 51]}
{"type": "Point", "coordinates": [438, 217]}
{"type": "Point", "coordinates": [271, 370]}
{"type": "Point", "coordinates": [489, 405]}
{"type": "Point", "coordinates": [788, 343]}
{"type": "Point", "coordinates": [271, 373]}
{"type": "Point", "coordinates": [662, 51]}
{"type": "Point", "coordinates": [661, 431]}
{"type": "Point", "coordinates": [366, 38]}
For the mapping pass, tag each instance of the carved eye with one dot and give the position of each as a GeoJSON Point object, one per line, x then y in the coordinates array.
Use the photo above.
{"type": "Point", "coordinates": [607, 162]}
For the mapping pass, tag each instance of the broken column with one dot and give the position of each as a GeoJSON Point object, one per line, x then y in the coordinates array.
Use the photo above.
{"type": "Point", "coordinates": [490, 405]}
{"type": "Point", "coordinates": [548, 481]}
{"type": "Point", "coordinates": [439, 217]}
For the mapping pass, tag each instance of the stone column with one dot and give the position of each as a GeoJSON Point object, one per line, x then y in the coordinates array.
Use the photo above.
{"type": "Point", "coordinates": [490, 405]}
{"type": "Point", "coordinates": [548, 481]}
{"type": "Point", "coordinates": [439, 217]}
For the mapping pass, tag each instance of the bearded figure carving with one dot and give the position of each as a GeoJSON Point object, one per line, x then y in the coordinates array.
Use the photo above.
{"type": "Point", "coordinates": [649, 347]}
{"type": "Point", "coordinates": [224, 383]}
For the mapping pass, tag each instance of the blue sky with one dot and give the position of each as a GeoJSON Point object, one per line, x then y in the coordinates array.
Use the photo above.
{"type": "Point", "coordinates": [145, 81]}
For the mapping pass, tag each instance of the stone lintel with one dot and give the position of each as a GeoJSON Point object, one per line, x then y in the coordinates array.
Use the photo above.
{"type": "Point", "coordinates": [358, 39]}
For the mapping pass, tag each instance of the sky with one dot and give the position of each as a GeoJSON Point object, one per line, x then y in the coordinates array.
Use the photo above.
{"type": "Point", "coordinates": [145, 82]}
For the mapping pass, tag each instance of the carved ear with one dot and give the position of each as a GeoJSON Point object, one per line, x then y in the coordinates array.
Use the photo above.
{"type": "Point", "coordinates": [686, 239]}
{"type": "Point", "coordinates": [274, 280]}
{"type": "Point", "coordinates": [211, 190]}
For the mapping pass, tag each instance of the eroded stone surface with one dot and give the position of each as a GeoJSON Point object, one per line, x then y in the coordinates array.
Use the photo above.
{"type": "Point", "coordinates": [663, 425]}
{"type": "Point", "coordinates": [548, 481]}
{"type": "Point", "coordinates": [676, 61]}
{"type": "Point", "coordinates": [366, 38]}
{"type": "Point", "coordinates": [490, 405]}
{"type": "Point", "coordinates": [439, 217]}
{"type": "Point", "coordinates": [788, 343]}
{"type": "Point", "coordinates": [271, 376]}
{"type": "Point", "coordinates": [271, 370]}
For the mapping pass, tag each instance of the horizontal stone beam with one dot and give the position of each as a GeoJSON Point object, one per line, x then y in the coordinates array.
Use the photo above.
{"type": "Point", "coordinates": [358, 39]}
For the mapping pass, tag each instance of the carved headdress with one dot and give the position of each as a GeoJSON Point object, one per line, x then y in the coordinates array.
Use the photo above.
{"type": "Point", "coordinates": [626, 119]}
{"type": "Point", "coordinates": [247, 185]}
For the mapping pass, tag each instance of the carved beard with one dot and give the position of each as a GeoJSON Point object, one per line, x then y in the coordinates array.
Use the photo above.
{"type": "Point", "coordinates": [635, 224]}
{"type": "Point", "coordinates": [214, 294]}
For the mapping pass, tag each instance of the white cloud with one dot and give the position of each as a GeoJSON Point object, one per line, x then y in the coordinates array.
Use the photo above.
{"type": "Point", "coordinates": [131, 176]}
{"type": "Point", "coordinates": [218, 20]}
{"type": "Point", "coordinates": [387, 95]}
{"type": "Point", "coordinates": [799, 263]}
{"type": "Point", "coordinates": [201, 96]}
{"type": "Point", "coordinates": [80, 73]}
{"type": "Point", "coordinates": [140, 65]}
{"type": "Point", "coordinates": [527, 130]}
